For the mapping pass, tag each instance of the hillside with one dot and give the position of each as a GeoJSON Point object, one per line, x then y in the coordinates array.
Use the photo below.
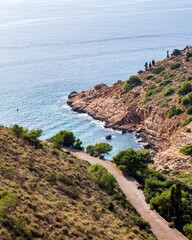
{"type": "Point", "coordinates": [156, 103]}
{"type": "Point", "coordinates": [48, 194]}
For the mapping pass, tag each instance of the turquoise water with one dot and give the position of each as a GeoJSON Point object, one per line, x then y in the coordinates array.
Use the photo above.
{"type": "Point", "coordinates": [50, 48]}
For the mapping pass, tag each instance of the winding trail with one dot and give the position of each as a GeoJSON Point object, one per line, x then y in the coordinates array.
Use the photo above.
{"type": "Point", "coordinates": [129, 186]}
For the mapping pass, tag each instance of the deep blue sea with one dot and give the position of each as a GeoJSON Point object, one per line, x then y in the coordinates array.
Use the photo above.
{"type": "Point", "coordinates": [49, 48]}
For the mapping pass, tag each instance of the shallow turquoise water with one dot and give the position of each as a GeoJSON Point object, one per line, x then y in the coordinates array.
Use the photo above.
{"type": "Point", "coordinates": [50, 48]}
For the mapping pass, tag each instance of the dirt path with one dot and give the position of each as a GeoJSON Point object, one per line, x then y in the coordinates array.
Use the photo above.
{"type": "Point", "coordinates": [159, 226]}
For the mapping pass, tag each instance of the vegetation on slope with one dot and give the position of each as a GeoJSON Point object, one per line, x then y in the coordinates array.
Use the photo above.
{"type": "Point", "coordinates": [169, 196]}
{"type": "Point", "coordinates": [48, 194]}
{"type": "Point", "coordinates": [166, 84]}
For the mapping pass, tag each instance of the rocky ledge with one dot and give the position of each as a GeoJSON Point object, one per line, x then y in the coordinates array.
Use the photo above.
{"type": "Point", "coordinates": [133, 111]}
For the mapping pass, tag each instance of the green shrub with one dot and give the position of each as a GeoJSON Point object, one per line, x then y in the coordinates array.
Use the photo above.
{"type": "Point", "coordinates": [186, 100]}
{"type": "Point", "coordinates": [151, 90]}
{"type": "Point", "coordinates": [189, 111]}
{"type": "Point", "coordinates": [17, 131]}
{"type": "Point", "coordinates": [67, 180]}
{"type": "Point", "coordinates": [30, 136]}
{"type": "Point", "coordinates": [174, 110]}
{"type": "Point", "coordinates": [132, 162]}
{"type": "Point", "coordinates": [8, 202]}
{"type": "Point", "coordinates": [188, 230]}
{"type": "Point", "coordinates": [187, 150]}
{"type": "Point", "coordinates": [158, 70]}
{"type": "Point", "coordinates": [186, 121]}
{"type": "Point", "coordinates": [150, 77]}
{"type": "Point", "coordinates": [102, 148]}
{"type": "Point", "coordinates": [21, 226]}
{"type": "Point", "coordinates": [169, 91]}
{"type": "Point", "coordinates": [90, 149]}
{"type": "Point", "coordinates": [102, 177]}
{"type": "Point", "coordinates": [175, 66]}
{"type": "Point", "coordinates": [132, 82]}
{"type": "Point", "coordinates": [185, 88]}
{"type": "Point", "coordinates": [165, 82]}
{"type": "Point", "coordinates": [67, 139]}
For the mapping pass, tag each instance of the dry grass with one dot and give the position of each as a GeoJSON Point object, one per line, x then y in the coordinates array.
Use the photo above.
{"type": "Point", "coordinates": [56, 198]}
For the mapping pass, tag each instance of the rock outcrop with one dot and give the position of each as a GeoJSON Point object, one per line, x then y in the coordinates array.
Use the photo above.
{"type": "Point", "coordinates": [147, 115]}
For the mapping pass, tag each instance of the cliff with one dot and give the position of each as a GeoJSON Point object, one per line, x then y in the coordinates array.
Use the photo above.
{"type": "Point", "coordinates": [155, 108]}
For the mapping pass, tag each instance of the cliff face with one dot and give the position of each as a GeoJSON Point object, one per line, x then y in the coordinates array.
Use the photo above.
{"type": "Point", "coordinates": [145, 108]}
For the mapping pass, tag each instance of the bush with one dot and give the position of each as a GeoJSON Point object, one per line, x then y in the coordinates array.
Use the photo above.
{"type": "Point", "coordinates": [65, 138]}
{"type": "Point", "coordinates": [165, 82]}
{"type": "Point", "coordinates": [158, 70]}
{"type": "Point", "coordinates": [30, 136]}
{"type": "Point", "coordinates": [188, 230]}
{"type": "Point", "coordinates": [21, 226]}
{"type": "Point", "coordinates": [8, 202]}
{"type": "Point", "coordinates": [175, 66]}
{"type": "Point", "coordinates": [187, 150]}
{"type": "Point", "coordinates": [99, 149]}
{"type": "Point", "coordinates": [152, 89]}
{"type": "Point", "coordinates": [189, 111]}
{"type": "Point", "coordinates": [185, 88]}
{"type": "Point", "coordinates": [90, 149]}
{"type": "Point", "coordinates": [132, 82]}
{"type": "Point", "coordinates": [186, 121]}
{"type": "Point", "coordinates": [169, 91]}
{"type": "Point", "coordinates": [102, 177]}
{"type": "Point", "coordinates": [102, 148]}
{"type": "Point", "coordinates": [17, 131]}
{"type": "Point", "coordinates": [132, 162]}
{"type": "Point", "coordinates": [150, 77]}
{"type": "Point", "coordinates": [174, 110]}
{"type": "Point", "coordinates": [186, 100]}
{"type": "Point", "coordinates": [67, 180]}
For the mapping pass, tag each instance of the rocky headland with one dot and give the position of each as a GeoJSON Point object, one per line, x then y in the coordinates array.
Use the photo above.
{"type": "Point", "coordinates": [154, 108]}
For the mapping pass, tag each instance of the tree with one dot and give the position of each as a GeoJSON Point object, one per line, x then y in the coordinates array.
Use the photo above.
{"type": "Point", "coordinates": [63, 138]}
{"type": "Point", "coordinates": [66, 139]}
{"type": "Point", "coordinates": [132, 162]}
{"type": "Point", "coordinates": [78, 144]}
{"type": "Point", "coordinates": [102, 148]}
{"type": "Point", "coordinates": [90, 149]}
{"type": "Point", "coordinates": [161, 202]}
{"type": "Point", "coordinates": [176, 204]}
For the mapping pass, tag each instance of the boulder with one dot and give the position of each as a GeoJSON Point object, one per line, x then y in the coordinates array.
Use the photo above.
{"type": "Point", "coordinates": [108, 137]}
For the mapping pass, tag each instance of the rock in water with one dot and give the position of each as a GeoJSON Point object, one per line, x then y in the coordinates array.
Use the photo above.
{"type": "Point", "coordinates": [108, 137]}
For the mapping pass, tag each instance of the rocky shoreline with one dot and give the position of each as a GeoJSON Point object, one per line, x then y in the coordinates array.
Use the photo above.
{"type": "Point", "coordinates": [129, 111]}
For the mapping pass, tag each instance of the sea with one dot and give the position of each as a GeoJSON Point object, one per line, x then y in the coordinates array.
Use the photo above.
{"type": "Point", "coordinates": [49, 48]}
